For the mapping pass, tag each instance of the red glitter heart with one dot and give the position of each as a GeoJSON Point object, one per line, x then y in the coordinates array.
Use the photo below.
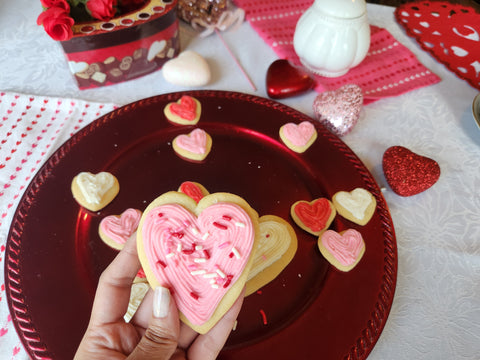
{"type": "Point", "coordinates": [285, 80]}
{"type": "Point", "coordinates": [449, 32]}
{"type": "Point", "coordinates": [408, 173]}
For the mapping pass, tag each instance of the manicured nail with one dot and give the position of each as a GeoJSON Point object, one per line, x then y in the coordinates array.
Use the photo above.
{"type": "Point", "coordinates": [161, 302]}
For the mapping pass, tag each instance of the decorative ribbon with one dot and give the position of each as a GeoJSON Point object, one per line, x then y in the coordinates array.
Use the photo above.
{"type": "Point", "coordinates": [228, 19]}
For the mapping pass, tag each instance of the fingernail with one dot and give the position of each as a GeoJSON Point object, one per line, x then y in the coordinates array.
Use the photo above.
{"type": "Point", "coordinates": [161, 302]}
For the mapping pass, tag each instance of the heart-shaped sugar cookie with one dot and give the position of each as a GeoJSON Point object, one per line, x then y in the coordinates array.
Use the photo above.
{"type": "Point", "coordinates": [357, 206]}
{"type": "Point", "coordinates": [298, 137]}
{"type": "Point", "coordinates": [408, 173]}
{"type": "Point", "coordinates": [193, 189]}
{"type": "Point", "coordinates": [94, 191]}
{"type": "Point", "coordinates": [186, 111]}
{"type": "Point", "coordinates": [115, 230]}
{"type": "Point", "coordinates": [343, 250]}
{"type": "Point", "coordinates": [285, 80]}
{"type": "Point", "coordinates": [201, 252]}
{"type": "Point", "coordinates": [188, 69]}
{"type": "Point", "coordinates": [339, 110]}
{"type": "Point", "coordinates": [314, 216]}
{"type": "Point", "coordinates": [276, 248]}
{"type": "Point", "coordinates": [195, 146]}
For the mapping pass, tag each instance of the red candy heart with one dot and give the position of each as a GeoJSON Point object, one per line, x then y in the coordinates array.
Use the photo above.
{"type": "Point", "coordinates": [449, 32]}
{"type": "Point", "coordinates": [285, 80]}
{"type": "Point", "coordinates": [408, 173]}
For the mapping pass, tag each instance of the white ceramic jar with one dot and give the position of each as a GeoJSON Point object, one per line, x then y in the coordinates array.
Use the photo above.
{"type": "Point", "coordinates": [332, 36]}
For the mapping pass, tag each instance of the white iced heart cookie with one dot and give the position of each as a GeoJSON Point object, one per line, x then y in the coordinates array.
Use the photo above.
{"type": "Point", "coordinates": [137, 293]}
{"type": "Point", "coordinates": [155, 48]}
{"type": "Point", "coordinates": [357, 206]}
{"type": "Point", "coordinates": [188, 69]}
{"type": "Point", "coordinates": [94, 191]}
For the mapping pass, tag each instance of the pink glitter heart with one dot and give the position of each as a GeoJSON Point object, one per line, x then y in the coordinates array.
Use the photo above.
{"type": "Point", "coordinates": [339, 110]}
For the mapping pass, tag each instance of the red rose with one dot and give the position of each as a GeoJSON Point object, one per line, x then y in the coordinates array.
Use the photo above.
{"type": "Point", "coordinates": [56, 4]}
{"type": "Point", "coordinates": [57, 23]}
{"type": "Point", "coordinates": [102, 9]}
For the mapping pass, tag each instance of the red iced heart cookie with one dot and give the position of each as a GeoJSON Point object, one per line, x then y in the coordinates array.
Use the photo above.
{"type": "Point", "coordinates": [195, 190]}
{"type": "Point", "coordinates": [343, 250]}
{"type": "Point", "coordinates": [315, 216]}
{"type": "Point", "coordinates": [449, 32]}
{"type": "Point", "coordinates": [201, 252]}
{"type": "Point", "coordinates": [115, 230]}
{"type": "Point", "coordinates": [285, 80]}
{"type": "Point", "coordinates": [339, 110]}
{"type": "Point", "coordinates": [408, 173]}
{"type": "Point", "coordinates": [186, 111]}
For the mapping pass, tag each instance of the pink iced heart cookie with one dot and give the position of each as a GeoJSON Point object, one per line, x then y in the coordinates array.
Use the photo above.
{"type": "Point", "coordinates": [193, 146]}
{"type": "Point", "coordinates": [343, 250]}
{"type": "Point", "coordinates": [339, 110]}
{"type": "Point", "coordinates": [298, 137]}
{"type": "Point", "coordinates": [115, 230]}
{"type": "Point", "coordinates": [201, 252]}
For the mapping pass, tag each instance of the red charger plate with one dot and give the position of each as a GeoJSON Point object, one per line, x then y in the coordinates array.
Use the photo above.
{"type": "Point", "coordinates": [54, 255]}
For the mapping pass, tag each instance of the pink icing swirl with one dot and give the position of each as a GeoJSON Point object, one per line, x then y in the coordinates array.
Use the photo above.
{"type": "Point", "coordinates": [197, 258]}
{"type": "Point", "coordinates": [345, 247]}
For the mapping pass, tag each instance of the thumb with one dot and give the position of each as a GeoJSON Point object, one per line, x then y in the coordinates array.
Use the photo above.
{"type": "Point", "coordinates": [160, 339]}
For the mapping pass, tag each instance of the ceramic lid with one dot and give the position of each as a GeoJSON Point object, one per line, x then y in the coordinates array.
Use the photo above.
{"type": "Point", "coordinates": [345, 9]}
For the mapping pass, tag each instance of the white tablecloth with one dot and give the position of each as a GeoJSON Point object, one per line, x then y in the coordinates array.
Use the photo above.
{"type": "Point", "coordinates": [436, 310]}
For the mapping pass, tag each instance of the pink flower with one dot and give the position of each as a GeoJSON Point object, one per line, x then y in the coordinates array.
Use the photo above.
{"type": "Point", "coordinates": [102, 9]}
{"type": "Point", "coordinates": [56, 4]}
{"type": "Point", "coordinates": [57, 23]}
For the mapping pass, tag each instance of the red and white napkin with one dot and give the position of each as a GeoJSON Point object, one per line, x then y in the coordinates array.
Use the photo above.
{"type": "Point", "coordinates": [389, 69]}
{"type": "Point", "coordinates": [31, 129]}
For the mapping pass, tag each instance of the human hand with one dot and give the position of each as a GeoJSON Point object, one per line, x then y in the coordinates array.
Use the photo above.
{"type": "Point", "coordinates": [155, 332]}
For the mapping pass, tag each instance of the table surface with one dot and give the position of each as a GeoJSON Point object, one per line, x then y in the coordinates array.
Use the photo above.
{"type": "Point", "coordinates": [436, 310]}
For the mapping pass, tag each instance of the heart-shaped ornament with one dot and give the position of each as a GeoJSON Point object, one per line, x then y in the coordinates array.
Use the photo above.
{"type": "Point", "coordinates": [339, 110]}
{"type": "Point", "coordinates": [314, 216]}
{"type": "Point", "coordinates": [186, 111]}
{"type": "Point", "coordinates": [357, 205]}
{"type": "Point", "coordinates": [201, 252]}
{"type": "Point", "coordinates": [449, 32]}
{"type": "Point", "coordinates": [343, 250]}
{"type": "Point", "coordinates": [195, 146]}
{"type": "Point", "coordinates": [94, 191]}
{"type": "Point", "coordinates": [276, 248]}
{"type": "Point", "coordinates": [298, 137]}
{"type": "Point", "coordinates": [188, 69]}
{"type": "Point", "coordinates": [408, 173]}
{"type": "Point", "coordinates": [115, 230]}
{"type": "Point", "coordinates": [285, 80]}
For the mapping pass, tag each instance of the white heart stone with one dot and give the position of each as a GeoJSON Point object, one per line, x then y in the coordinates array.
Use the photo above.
{"type": "Point", "coordinates": [188, 69]}
{"type": "Point", "coordinates": [76, 67]}
{"type": "Point", "coordinates": [155, 48]}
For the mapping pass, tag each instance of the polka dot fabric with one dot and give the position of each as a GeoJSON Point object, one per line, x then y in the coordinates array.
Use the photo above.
{"type": "Point", "coordinates": [389, 69]}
